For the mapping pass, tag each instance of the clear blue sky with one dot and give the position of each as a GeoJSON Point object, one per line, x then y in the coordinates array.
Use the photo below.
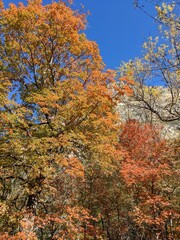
{"type": "Point", "coordinates": [118, 28]}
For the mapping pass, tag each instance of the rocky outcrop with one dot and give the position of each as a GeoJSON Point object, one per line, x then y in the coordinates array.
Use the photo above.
{"type": "Point", "coordinates": [131, 108]}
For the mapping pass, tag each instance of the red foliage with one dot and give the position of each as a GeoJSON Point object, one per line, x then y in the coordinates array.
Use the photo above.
{"type": "Point", "coordinates": [146, 167]}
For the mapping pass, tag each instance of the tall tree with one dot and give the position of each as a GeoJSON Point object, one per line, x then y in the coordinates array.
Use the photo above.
{"type": "Point", "coordinates": [148, 169]}
{"type": "Point", "coordinates": [57, 120]}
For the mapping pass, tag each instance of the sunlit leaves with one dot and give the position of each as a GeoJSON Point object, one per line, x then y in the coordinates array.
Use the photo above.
{"type": "Point", "coordinates": [58, 118]}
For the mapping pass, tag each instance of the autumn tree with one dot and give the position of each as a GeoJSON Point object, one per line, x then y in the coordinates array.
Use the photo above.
{"type": "Point", "coordinates": [149, 169]}
{"type": "Point", "coordinates": [157, 73]}
{"type": "Point", "coordinates": [58, 121]}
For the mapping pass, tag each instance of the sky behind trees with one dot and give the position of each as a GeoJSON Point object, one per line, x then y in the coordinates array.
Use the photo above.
{"type": "Point", "coordinates": [117, 26]}
{"type": "Point", "coordinates": [70, 166]}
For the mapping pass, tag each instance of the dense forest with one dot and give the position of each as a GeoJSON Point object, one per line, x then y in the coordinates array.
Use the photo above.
{"type": "Point", "coordinates": [73, 166]}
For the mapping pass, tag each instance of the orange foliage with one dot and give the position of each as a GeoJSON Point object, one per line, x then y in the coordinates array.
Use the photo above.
{"type": "Point", "coordinates": [58, 117]}
{"type": "Point", "coordinates": [145, 169]}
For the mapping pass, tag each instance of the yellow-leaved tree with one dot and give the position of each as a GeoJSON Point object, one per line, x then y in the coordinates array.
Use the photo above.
{"type": "Point", "coordinates": [57, 121]}
{"type": "Point", "coordinates": [157, 72]}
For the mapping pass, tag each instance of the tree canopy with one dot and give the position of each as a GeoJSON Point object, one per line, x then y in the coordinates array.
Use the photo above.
{"type": "Point", "coordinates": [159, 66]}
{"type": "Point", "coordinates": [69, 167]}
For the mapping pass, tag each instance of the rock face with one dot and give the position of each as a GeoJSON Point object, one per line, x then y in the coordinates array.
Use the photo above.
{"type": "Point", "coordinates": [131, 108]}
